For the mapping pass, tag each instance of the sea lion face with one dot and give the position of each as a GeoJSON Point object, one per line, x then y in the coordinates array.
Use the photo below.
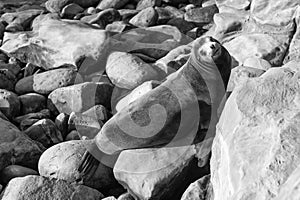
{"type": "Point", "coordinates": [207, 49]}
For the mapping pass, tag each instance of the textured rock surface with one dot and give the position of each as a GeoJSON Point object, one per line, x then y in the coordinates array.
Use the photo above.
{"type": "Point", "coordinates": [256, 150]}
{"type": "Point", "coordinates": [197, 190]}
{"type": "Point", "coordinates": [35, 187]}
{"type": "Point", "coordinates": [62, 161]}
{"type": "Point", "coordinates": [81, 97]}
{"type": "Point", "coordinates": [46, 82]}
{"type": "Point", "coordinates": [146, 17]}
{"type": "Point", "coordinates": [17, 148]}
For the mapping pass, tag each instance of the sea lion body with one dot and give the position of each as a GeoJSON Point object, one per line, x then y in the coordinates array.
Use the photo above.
{"type": "Point", "coordinates": [186, 101]}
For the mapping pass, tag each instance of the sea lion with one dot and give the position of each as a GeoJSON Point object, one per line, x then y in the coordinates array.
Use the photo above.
{"type": "Point", "coordinates": [173, 112]}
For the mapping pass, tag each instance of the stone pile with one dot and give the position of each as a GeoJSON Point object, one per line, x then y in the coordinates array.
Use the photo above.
{"type": "Point", "coordinates": [69, 66]}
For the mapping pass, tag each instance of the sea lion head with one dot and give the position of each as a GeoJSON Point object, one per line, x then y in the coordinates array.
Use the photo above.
{"type": "Point", "coordinates": [210, 55]}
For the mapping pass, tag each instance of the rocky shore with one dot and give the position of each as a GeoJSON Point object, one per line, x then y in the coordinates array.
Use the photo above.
{"type": "Point", "coordinates": [72, 70]}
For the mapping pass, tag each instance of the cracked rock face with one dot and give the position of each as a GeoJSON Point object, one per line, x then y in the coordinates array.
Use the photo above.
{"type": "Point", "coordinates": [35, 187]}
{"type": "Point", "coordinates": [256, 151]}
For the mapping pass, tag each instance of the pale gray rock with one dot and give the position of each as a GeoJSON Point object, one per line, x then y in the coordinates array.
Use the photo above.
{"type": "Point", "coordinates": [46, 82]}
{"type": "Point", "coordinates": [255, 153]}
{"type": "Point", "coordinates": [37, 187]}
{"type": "Point", "coordinates": [80, 97]}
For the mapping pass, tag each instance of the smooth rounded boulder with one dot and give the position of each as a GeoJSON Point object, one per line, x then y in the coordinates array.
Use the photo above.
{"type": "Point", "coordinates": [128, 71]}
{"type": "Point", "coordinates": [32, 103]}
{"type": "Point", "coordinates": [14, 171]}
{"type": "Point", "coordinates": [62, 161]}
{"type": "Point", "coordinates": [46, 82]}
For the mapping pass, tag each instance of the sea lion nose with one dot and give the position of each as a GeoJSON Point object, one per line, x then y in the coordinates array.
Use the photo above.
{"type": "Point", "coordinates": [212, 46]}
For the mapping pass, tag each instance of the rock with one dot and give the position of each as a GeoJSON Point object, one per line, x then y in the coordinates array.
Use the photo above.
{"type": "Point", "coordinates": [73, 135]}
{"type": "Point", "coordinates": [71, 10]}
{"type": "Point", "coordinates": [227, 23]}
{"type": "Point", "coordinates": [13, 171]}
{"type": "Point", "coordinates": [103, 18]}
{"type": "Point", "coordinates": [85, 125]}
{"type": "Point", "coordinates": [35, 187]}
{"type": "Point", "coordinates": [98, 112]}
{"type": "Point", "coordinates": [17, 148]}
{"type": "Point", "coordinates": [157, 173]}
{"type": "Point", "coordinates": [9, 104]}
{"type": "Point", "coordinates": [110, 198]}
{"type": "Point", "coordinates": [294, 50]}
{"type": "Point", "coordinates": [167, 13]}
{"type": "Point", "coordinates": [128, 71]}
{"type": "Point", "coordinates": [22, 18]}
{"type": "Point", "coordinates": [257, 63]}
{"type": "Point", "coordinates": [7, 79]}
{"type": "Point", "coordinates": [14, 68]}
{"type": "Point", "coordinates": [118, 27]}
{"type": "Point", "coordinates": [136, 93]}
{"type": "Point", "coordinates": [2, 30]}
{"type": "Point", "coordinates": [181, 24]}
{"type": "Point", "coordinates": [32, 103]}
{"type": "Point", "coordinates": [262, 12]}
{"type": "Point", "coordinates": [80, 97]}
{"type": "Point", "coordinates": [176, 58]}
{"type": "Point", "coordinates": [145, 18]}
{"type": "Point", "coordinates": [241, 74]}
{"type": "Point", "coordinates": [127, 14]}
{"type": "Point", "coordinates": [117, 4]}
{"type": "Point", "coordinates": [261, 119]}
{"type": "Point", "coordinates": [155, 41]}
{"type": "Point", "coordinates": [142, 4]}
{"type": "Point", "coordinates": [175, 2]}
{"type": "Point", "coordinates": [78, 44]}
{"type": "Point", "coordinates": [45, 113]}
{"type": "Point", "coordinates": [197, 190]}
{"type": "Point", "coordinates": [201, 15]}
{"type": "Point", "coordinates": [62, 161]}
{"type": "Point", "coordinates": [61, 123]}
{"type": "Point", "coordinates": [30, 69]}
{"type": "Point", "coordinates": [46, 82]}
{"type": "Point", "coordinates": [45, 132]}
{"type": "Point", "coordinates": [55, 6]}
{"type": "Point", "coordinates": [126, 196]}
{"type": "Point", "coordinates": [240, 4]}
{"type": "Point", "coordinates": [258, 45]}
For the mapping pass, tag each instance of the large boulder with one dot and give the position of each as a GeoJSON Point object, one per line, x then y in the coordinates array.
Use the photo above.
{"type": "Point", "coordinates": [62, 161]}
{"type": "Point", "coordinates": [46, 82]}
{"type": "Point", "coordinates": [256, 151]}
{"type": "Point", "coordinates": [80, 97]}
{"type": "Point", "coordinates": [129, 71]}
{"type": "Point", "coordinates": [157, 173]}
{"type": "Point", "coordinates": [54, 43]}
{"type": "Point", "coordinates": [17, 148]}
{"type": "Point", "coordinates": [38, 187]}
